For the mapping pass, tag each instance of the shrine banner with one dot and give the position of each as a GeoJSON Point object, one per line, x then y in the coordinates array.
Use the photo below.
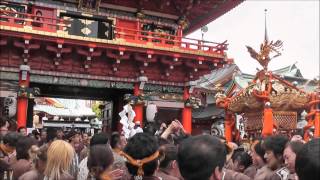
{"type": "Point", "coordinates": [81, 25]}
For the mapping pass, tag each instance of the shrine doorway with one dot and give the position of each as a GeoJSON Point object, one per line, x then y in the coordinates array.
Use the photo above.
{"type": "Point", "coordinates": [111, 100]}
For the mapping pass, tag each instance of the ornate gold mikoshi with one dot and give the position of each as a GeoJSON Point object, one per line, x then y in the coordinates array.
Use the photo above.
{"type": "Point", "coordinates": [283, 97]}
{"type": "Point", "coordinates": [270, 103]}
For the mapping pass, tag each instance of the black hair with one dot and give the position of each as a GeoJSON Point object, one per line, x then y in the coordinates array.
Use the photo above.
{"type": "Point", "coordinates": [100, 138]}
{"type": "Point", "coordinates": [170, 152]}
{"type": "Point", "coordinates": [179, 137]}
{"type": "Point", "coordinates": [295, 146]}
{"type": "Point", "coordinates": [244, 159]}
{"type": "Point", "coordinates": [51, 134]}
{"type": "Point", "coordinates": [163, 141]}
{"type": "Point", "coordinates": [35, 132]}
{"type": "Point", "coordinates": [150, 128]}
{"type": "Point", "coordinates": [31, 135]}
{"type": "Point", "coordinates": [198, 156]}
{"type": "Point", "coordinates": [3, 121]}
{"type": "Point", "coordinates": [276, 144]}
{"type": "Point", "coordinates": [140, 146]}
{"type": "Point", "coordinates": [23, 146]}
{"type": "Point", "coordinates": [22, 127]}
{"type": "Point", "coordinates": [12, 124]}
{"type": "Point", "coordinates": [71, 134]}
{"type": "Point", "coordinates": [298, 132]}
{"type": "Point", "coordinates": [99, 159]}
{"type": "Point", "coordinates": [11, 138]}
{"type": "Point", "coordinates": [307, 161]}
{"type": "Point", "coordinates": [235, 153]}
{"type": "Point", "coordinates": [115, 139]}
{"type": "Point", "coordinates": [260, 151]}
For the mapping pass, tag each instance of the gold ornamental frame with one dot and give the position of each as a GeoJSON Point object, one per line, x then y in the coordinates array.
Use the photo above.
{"type": "Point", "coordinates": [283, 120]}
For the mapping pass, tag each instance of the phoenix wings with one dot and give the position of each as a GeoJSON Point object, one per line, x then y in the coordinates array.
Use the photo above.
{"type": "Point", "coordinates": [263, 57]}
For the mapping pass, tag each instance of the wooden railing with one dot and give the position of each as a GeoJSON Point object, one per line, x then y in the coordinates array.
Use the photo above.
{"type": "Point", "coordinates": [164, 39]}
{"type": "Point", "coordinates": [17, 19]}
{"type": "Point", "coordinates": [49, 24]}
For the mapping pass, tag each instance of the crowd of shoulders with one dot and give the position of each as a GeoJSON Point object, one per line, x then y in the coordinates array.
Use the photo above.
{"type": "Point", "coordinates": [165, 153]}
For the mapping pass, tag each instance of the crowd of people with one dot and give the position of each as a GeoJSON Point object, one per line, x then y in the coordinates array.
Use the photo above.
{"type": "Point", "coordinates": [167, 153]}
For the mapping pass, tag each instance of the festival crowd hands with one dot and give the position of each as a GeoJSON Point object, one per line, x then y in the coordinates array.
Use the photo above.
{"type": "Point", "coordinates": [167, 153]}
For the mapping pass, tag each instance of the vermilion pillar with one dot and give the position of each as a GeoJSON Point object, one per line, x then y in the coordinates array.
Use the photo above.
{"type": "Point", "coordinates": [267, 122]}
{"type": "Point", "coordinates": [22, 103]}
{"type": "Point", "coordinates": [317, 124]}
{"type": "Point", "coordinates": [187, 113]}
{"type": "Point", "coordinates": [228, 126]}
{"type": "Point", "coordinates": [313, 118]}
{"type": "Point", "coordinates": [138, 108]}
{"type": "Point", "coordinates": [317, 114]}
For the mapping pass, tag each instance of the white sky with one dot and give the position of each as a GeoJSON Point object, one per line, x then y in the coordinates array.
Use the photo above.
{"type": "Point", "coordinates": [295, 22]}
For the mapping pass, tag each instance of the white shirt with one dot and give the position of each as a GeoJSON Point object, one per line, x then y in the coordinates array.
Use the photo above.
{"type": "Point", "coordinates": [83, 170]}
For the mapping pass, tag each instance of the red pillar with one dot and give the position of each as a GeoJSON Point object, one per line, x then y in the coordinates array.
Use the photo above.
{"type": "Point", "coordinates": [313, 118]}
{"type": "Point", "coordinates": [187, 113]}
{"type": "Point", "coordinates": [138, 108]}
{"type": "Point", "coordinates": [317, 115]}
{"type": "Point", "coordinates": [317, 124]}
{"type": "Point", "coordinates": [267, 122]}
{"type": "Point", "coordinates": [228, 126]}
{"type": "Point", "coordinates": [22, 103]}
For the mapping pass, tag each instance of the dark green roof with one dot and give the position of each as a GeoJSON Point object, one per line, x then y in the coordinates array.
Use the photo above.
{"type": "Point", "coordinates": [230, 74]}
{"type": "Point", "coordinates": [290, 71]}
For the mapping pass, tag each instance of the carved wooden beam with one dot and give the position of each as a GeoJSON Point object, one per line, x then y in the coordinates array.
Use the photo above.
{"type": "Point", "coordinates": [123, 55]}
{"type": "Point", "coordinates": [170, 61]}
{"type": "Point", "coordinates": [145, 57]}
{"type": "Point", "coordinates": [117, 57]}
{"type": "Point", "coordinates": [58, 50]}
{"type": "Point", "coordinates": [82, 52]}
{"type": "Point", "coordinates": [26, 46]}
